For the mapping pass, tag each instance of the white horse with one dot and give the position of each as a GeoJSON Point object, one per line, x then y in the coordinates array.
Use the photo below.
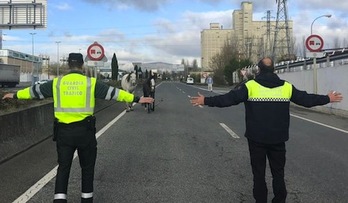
{"type": "Point", "coordinates": [129, 83]}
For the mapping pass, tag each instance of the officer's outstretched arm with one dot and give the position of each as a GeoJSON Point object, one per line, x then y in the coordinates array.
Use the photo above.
{"type": "Point", "coordinates": [124, 96]}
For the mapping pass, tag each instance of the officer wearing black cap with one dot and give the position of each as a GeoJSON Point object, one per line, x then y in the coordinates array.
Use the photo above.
{"type": "Point", "coordinates": [74, 127]}
{"type": "Point", "coordinates": [267, 100]}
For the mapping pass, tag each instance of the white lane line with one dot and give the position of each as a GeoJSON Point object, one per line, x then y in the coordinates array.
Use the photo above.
{"type": "Point", "coordinates": [26, 196]}
{"type": "Point", "coordinates": [37, 187]}
{"type": "Point", "coordinates": [100, 132]}
{"type": "Point", "coordinates": [233, 134]}
{"type": "Point", "coordinates": [322, 124]}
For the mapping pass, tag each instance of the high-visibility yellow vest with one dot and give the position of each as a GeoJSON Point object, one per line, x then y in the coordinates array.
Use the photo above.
{"type": "Point", "coordinates": [257, 92]}
{"type": "Point", "coordinates": [25, 93]}
{"type": "Point", "coordinates": [73, 97]}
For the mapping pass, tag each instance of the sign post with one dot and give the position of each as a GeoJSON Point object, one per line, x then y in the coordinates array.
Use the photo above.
{"type": "Point", "coordinates": [314, 43]}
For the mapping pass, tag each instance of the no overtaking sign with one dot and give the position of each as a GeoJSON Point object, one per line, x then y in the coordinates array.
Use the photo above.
{"type": "Point", "coordinates": [95, 52]}
{"type": "Point", "coordinates": [314, 43]}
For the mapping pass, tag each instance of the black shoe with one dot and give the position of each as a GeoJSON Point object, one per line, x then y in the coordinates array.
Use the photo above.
{"type": "Point", "coordinates": [60, 201]}
{"type": "Point", "coordinates": [87, 200]}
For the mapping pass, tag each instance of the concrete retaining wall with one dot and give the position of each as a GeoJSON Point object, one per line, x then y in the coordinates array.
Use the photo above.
{"type": "Point", "coordinates": [23, 129]}
{"type": "Point", "coordinates": [328, 78]}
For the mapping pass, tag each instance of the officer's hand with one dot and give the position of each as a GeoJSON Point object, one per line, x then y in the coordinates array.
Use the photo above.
{"type": "Point", "coordinates": [335, 96]}
{"type": "Point", "coordinates": [146, 100]}
{"type": "Point", "coordinates": [196, 101]}
{"type": "Point", "coordinates": [8, 96]}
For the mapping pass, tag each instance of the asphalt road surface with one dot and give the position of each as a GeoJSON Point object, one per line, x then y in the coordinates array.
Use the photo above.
{"type": "Point", "coordinates": [181, 153]}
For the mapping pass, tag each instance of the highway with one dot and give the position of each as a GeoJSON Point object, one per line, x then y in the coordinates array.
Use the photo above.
{"type": "Point", "coordinates": [181, 153]}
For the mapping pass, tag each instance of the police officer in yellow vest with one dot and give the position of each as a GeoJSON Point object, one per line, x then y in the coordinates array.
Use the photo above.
{"type": "Point", "coordinates": [74, 129]}
{"type": "Point", "coordinates": [267, 99]}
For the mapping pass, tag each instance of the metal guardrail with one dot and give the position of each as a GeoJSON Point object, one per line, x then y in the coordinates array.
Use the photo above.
{"type": "Point", "coordinates": [330, 56]}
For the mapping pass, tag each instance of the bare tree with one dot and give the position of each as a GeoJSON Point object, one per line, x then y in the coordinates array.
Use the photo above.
{"type": "Point", "coordinates": [194, 64]}
{"type": "Point", "coordinates": [336, 42]}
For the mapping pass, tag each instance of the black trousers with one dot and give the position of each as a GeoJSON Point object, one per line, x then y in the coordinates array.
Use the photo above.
{"type": "Point", "coordinates": [276, 158]}
{"type": "Point", "coordinates": [70, 138]}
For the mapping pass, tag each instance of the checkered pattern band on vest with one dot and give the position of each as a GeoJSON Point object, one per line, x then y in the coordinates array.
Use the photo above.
{"type": "Point", "coordinates": [269, 99]}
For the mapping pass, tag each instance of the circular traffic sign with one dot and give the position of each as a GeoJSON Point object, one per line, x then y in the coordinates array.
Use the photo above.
{"type": "Point", "coordinates": [95, 51]}
{"type": "Point", "coordinates": [314, 43]}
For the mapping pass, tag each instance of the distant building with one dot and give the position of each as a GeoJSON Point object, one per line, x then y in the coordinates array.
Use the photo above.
{"type": "Point", "coordinates": [161, 67]}
{"type": "Point", "coordinates": [29, 65]}
{"type": "Point", "coordinates": [106, 73]}
{"type": "Point", "coordinates": [253, 39]}
{"type": "Point", "coordinates": [27, 62]}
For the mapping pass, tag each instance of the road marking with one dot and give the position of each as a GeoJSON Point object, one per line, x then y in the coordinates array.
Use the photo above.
{"type": "Point", "coordinates": [37, 186]}
{"type": "Point", "coordinates": [26, 196]}
{"type": "Point", "coordinates": [322, 124]}
{"type": "Point", "coordinates": [233, 134]}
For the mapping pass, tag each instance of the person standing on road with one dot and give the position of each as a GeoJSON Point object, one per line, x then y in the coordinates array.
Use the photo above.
{"type": "Point", "coordinates": [74, 127]}
{"type": "Point", "coordinates": [149, 87]}
{"type": "Point", "coordinates": [210, 83]}
{"type": "Point", "coordinates": [267, 101]}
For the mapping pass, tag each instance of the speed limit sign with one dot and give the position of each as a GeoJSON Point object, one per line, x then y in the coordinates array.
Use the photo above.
{"type": "Point", "coordinates": [314, 43]}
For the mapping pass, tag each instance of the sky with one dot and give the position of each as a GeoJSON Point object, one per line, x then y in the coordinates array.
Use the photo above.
{"type": "Point", "coordinates": [161, 30]}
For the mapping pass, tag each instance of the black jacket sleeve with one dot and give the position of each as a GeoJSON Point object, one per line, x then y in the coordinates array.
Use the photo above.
{"type": "Point", "coordinates": [136, 99]}
{"type": "Point", "coordinates": [302, 98]}
{"type": "Point", "coordinates": [233, 97]}
{"type": "Point", "coordinates": [101, 90]}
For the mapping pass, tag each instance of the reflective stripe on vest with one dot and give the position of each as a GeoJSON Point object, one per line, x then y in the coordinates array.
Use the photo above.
{"type": "Point", "coordinates": [73, 97]}
{"type": "Point", "coordinates": [257, 92]}
{"type": "Point", "coordinates": [28, 93]}
{"type": "Point", "coordinates": [110, 90]}
{"type": "Point", "coordinates": [37, 89]}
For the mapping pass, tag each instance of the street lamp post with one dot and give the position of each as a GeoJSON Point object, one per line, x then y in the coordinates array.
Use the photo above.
{"type": "Point", "coordinates": [58, 57]}
{"type": "Point", "coordinates": [1, 38]}
{"type": "Point", "coordinates": [32, 59]}
{"type": "Point", "coordinates": [327, 15]}
{"type": "Point", "coordinates": [315, 71]}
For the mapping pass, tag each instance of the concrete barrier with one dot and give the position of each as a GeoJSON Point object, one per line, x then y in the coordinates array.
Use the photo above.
{"type": "Point", "coordinates": [25, 128]}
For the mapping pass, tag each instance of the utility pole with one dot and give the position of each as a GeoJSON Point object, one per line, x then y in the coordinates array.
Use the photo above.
{"type": "Point", "coordinates": [1, 39]}
{"type": "Point", "coordinates": [34, 78]}
{"type": "Point", "coordinates": [58, 42]}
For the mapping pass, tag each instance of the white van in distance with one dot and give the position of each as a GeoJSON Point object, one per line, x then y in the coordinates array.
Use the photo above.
{"type": "Point", "coordinates": [189, 81]}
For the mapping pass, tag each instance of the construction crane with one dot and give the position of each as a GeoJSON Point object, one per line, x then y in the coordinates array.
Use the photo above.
{"type": "Point", "coordinates": [282, 45]}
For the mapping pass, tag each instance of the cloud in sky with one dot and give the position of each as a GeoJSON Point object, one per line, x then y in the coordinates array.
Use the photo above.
{"type": "Point", "coordinates": [63, 6]}
{"type": "Point", "coordinates": [148, 5]}
{"type": "Point", "coordinates": [162, 30]}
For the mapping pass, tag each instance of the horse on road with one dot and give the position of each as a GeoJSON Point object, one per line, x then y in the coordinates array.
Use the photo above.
{"type": "Point", "coordinates": [129, 83]}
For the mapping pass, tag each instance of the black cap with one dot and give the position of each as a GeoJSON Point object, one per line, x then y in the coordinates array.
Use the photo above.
{"type": "Point", "coordinates": [75, 57]}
